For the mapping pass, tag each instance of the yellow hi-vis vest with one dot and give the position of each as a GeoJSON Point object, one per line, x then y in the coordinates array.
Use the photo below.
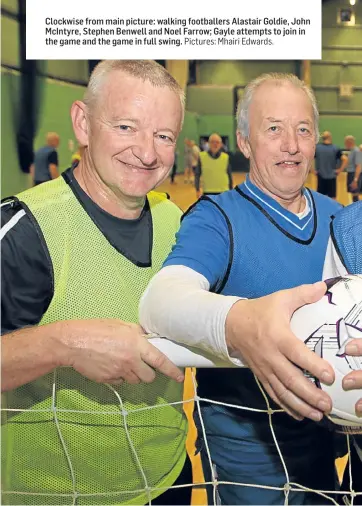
{"type": "Point", "coordinates": [70, 440]}
{"type": "Point", "coordinates": [214, 172]}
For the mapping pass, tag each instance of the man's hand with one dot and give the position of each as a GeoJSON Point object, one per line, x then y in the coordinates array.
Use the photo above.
{"type": "Point", "coordinates": [353, 380]}
{"type": "Point", "coordinates": [258, 331]}
{"type": "Point", "coordinates": [113, 351]}
{"type": "Point", "coordinates": [354, 185]}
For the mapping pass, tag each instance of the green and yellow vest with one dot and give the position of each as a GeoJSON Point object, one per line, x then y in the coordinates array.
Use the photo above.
{"type": "Point", "coordinates": [69, 440]}
{"type": "Point", "coordinates": [214, 172]}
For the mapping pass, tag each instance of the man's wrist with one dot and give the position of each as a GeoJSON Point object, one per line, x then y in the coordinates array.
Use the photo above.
{"type": "Point", "coordinates": [233, 317]}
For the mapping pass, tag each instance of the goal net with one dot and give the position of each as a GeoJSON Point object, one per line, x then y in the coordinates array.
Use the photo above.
{"type": "Point", "coordinates": [67, 421]}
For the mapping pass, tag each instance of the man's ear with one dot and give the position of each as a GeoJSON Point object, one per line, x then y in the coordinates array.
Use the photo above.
{"type": "Point", "coordinates": [79, 121]}
{"type": "Point", "coordinates": [243, 144]}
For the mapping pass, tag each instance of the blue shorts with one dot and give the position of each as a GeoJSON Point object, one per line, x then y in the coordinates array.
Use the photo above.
{"type": "Point", "coordinates": [350, 178]}
{"type": "Point", "coordinates": [244, 452]}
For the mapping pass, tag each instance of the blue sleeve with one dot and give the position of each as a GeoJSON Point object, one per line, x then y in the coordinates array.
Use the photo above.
{"type": "Point", "coordinates": [347, 236]}
{"type": "Point", "coordinates": [353, 158]}
{"type": "Point", "coordinates": [359, 158]}
{"type": "Point", "coordinates": [203, 242]}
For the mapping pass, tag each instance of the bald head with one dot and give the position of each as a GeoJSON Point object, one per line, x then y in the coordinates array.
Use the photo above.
{"type": "Point", "coordinates": [52, 139]}
{"type": "Point", "coordinates": [215, 143]}
{"type": "Point", "coordinates": [349, 142]}
{"type": "Point", "coordinates": [144, 70]}
{"type": "Point", "coordinates": [327, 137]}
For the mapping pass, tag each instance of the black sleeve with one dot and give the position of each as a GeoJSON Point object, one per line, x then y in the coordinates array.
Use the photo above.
{"type": "Point", "coordinates": [197, 175]}
{"type": "Point", "coordinates": [53, 158]}
{"type": "Point", "coordinates": [339, 154]}
{"type": "Point", "coordinates": [230, 175]}
{"type": "Point", "coordinates": [26, 270]}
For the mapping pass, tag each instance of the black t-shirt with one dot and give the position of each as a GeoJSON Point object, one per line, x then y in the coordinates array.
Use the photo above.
{"type": "Point", "coordinates": [27, 285]}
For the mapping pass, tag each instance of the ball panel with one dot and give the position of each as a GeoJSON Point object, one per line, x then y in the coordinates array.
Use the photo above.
{"type": "Point", "coordinates": [326, 327]}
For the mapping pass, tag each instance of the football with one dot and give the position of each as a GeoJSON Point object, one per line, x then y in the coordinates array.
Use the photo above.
{"type": "Point", "coordinates": [326, 327]}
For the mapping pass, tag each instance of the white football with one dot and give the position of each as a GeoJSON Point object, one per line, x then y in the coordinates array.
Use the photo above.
{"type": "Point", "coordinates": [326, 327]}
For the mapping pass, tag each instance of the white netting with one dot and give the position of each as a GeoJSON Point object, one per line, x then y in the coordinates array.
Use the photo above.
{"type": "Point", "coordinates": [326, 496]}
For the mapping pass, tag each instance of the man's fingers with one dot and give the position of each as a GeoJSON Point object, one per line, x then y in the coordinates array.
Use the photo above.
{"type": "Point", "coordinates": [264, 380]}
{"type": "Point", "coordinates": [307, 399]}
{"type": "Point", "coordinates": [358, 408]}
{"type": "Point", "coordinates": [298, 353]}
{"type": "Point", "coordinates": [287, 397]}
{"type": "Point", "coordinates": [293, 391]}
{"type": "Point", "coordinates": [131, 377]}
{"type": "Point", "coordinates": [270, 391]}
{"type": "Point", "coordinates": [156, 359]}
{"type": "Point", "coordinates": [144, 372]}
{"type": "Point", "coordinates": [352, 381]}
{"type": "Point", "coordinates": [116, 382]}
{"type": "Point", "coordinates": [354, 347]}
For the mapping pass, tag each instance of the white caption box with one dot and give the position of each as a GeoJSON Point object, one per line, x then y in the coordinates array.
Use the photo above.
{"type": "Point", "coordinates": [263, 30]}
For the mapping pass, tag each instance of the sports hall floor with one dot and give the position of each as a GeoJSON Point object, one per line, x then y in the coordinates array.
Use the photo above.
{"type": "Point", "coordinates": [183, 194]}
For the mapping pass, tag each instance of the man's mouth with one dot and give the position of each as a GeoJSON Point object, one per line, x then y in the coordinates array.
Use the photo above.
{"type": "Point", "coordinates": [138, 167]}
{"type": "Point", "coordinates": [288, 163]}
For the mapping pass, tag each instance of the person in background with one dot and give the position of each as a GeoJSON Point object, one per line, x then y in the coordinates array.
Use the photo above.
{"type": "Point", "coordinates": [174, 169]}
{"type": "Point", "coordinates": [195, 154]}
{"type": "Point", "coordinates": [327, 158]}
{"type": "Point", "coordinates": [214, 168]}
{"type": "Point", "coordinates": [45, 165]}
{"type": "Point", "coordinates": [187, 160]}
{"type": "Point", "coordinates": [353, 168]}
{"type": "Point", "coordinates": [76, 156]}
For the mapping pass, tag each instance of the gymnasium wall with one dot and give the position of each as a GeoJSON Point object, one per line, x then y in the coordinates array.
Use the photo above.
{"type": "Point", "coordinates": [210, 102]}
{"type": "Point", "coordinates": [57, 98]}
{"type": "Point", "coordinates": [59, 84]}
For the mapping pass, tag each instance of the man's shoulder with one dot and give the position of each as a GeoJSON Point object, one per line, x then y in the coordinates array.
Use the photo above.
{"type": "Point", "coordinates": [348, 217]}
{"type": "Point", "coordinates": [45, 149]}
{"type": "Point", "coordinates": [346, 234]}
{"type": "Point", "coordinates": [208, 207]}
{"type": "Point", "coordinates": [10, 207]}
{"type": "Point", "coordinates": [17, 223]}
{"type": "Point", "coordinates": [158, 197]}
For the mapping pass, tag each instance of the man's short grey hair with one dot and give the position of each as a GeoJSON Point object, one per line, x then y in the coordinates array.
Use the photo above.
{"type": "Point", "coordinates": [146, 70]}
{"type": "Point", "coordinates": [242, 114]}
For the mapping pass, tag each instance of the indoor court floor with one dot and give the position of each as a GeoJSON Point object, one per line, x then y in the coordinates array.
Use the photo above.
{"type": "Point", "coordinates": [184, 195]}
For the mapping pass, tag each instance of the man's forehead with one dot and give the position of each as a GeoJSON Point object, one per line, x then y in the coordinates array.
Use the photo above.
{"type": "Point", "coordinates": [278, 90]}
{"type": "Point", "coordinates": [271, 99]}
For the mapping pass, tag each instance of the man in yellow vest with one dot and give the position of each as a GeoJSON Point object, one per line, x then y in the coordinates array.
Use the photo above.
{"type": "Point", "coordinates": [93, 412]}
{"type": "Point", "coordinates": [215, 169]}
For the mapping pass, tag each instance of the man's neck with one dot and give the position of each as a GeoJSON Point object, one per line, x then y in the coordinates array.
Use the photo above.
{"type": "Point", "coordinates": [295, 203]}
{"type": "Point", "coordinates": [109, 199]}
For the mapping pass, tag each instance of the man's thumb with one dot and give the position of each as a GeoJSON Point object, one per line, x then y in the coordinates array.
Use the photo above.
{"type": "Point", "coordinates": [307, 294]}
